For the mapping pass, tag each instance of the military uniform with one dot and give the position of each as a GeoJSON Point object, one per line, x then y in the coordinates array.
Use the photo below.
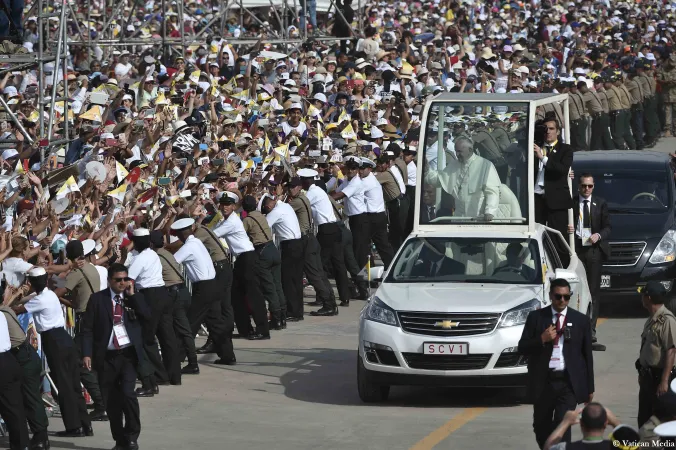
{"type": "Point", "coordinates": [637, 96]}
{"type": "Point", "coordinates": [270, 267]}
{"type": "Point", "coordinates": [651, 121]}
{"type": "Point", "coordinates": [625, 116]}
{"type": "Point", "coordinates": [31, 367]}
{"type": "Point", "coordinates": [667, 78]}
{"type": "Point", "coordinates": [659, 335]}
{"type": "Point", "coordinates": [615, 107]}
{"type": "Point", "coordinates": [600, 136]}
{"type": "Point", "coordinates": [578, 122]}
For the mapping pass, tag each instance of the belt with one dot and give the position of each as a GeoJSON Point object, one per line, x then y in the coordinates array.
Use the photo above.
{"type": "Point", "coordinates": [23, 346]}
{"type": "Point", "coordinates": [222, 263]}
{"type": "Point", "coordinates": [597, 115]}
{"type": "Point", "coordinates": [175, 287]}
{"type": "Point", "coordinates": [556, 374]}
{"type": "Point", "coordinates": [121, 351]}
{"type": "Point", "coordinates": [262, 246]}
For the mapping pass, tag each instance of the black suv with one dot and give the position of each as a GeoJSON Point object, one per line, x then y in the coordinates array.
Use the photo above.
{"type": "Point", "coordinates": [639, 188]}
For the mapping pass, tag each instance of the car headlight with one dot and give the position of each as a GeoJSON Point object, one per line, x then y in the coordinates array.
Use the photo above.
{"type": "Point", "coordinates": [666, 249]}
{"type": "Point", "coordinates": [380, 312]}
{"type": "Point", "coordinates": [518, 314]}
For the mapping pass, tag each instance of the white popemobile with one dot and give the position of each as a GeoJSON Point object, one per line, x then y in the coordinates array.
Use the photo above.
{"type": "Point", "coordinates": [451, 308]}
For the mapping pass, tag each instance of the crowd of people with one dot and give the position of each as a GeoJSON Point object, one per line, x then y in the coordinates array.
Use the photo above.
{"type": "Point", "coordinates": [218, 180]}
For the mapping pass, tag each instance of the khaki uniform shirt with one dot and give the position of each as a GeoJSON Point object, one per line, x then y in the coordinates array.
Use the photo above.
{"type": "Point", "coordinates": [256, 226]}
{"type": "Point", "coordinates": [603, 98]}
{"type": "Point", "coordinates": [576, 104]}
{"type": "Point", "coordinates": [78, 287]}
{"type": "Point", "coordinates": [16, 334]}
{"type": "Point", "coordinates": [301, 206]}
{"type": "Point", "coordinates": [401, 165]}
{"type": "Point", "coordinates": [644, 83]}
{"type": "Point", "coordinates": [592, 102]}
{"type": "Point", "coordinates": [647, 431]}
{"type": "Point", "coordinates": [659, 335]}
{"type": "Point", "coordinates": [635, 91]}
{"type": "Point", "coordinates": [389, 184]}
{"type": "Point", "coordinates": [171, 270]}
{"type": "Point", "coordinates": [213, 245]}
{"type": "Point", "coordinates": [624, 96]}
{"type": "Point", "coordinates": [614, 103]}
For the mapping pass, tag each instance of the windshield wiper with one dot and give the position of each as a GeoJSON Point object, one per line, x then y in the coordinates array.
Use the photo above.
{"type": "Point", "coordinates": [626, 211]}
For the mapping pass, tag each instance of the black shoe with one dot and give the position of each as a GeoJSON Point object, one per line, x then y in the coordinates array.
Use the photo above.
{"type": "Point", "coordinates": [156, 389]}
{"type": "Point", "coordinates": [209, 347]}
{"type": "Point", "coordinates": [594, 340]}
{"type": "Point", "coordinates": [163, 383]}
{"type": "Point", "coordinates": [87, 430]}
{"type": "Point", "coordinates": [295, 319]}
{"type": "Point", "coordinates": [363, 295]}
{"type": "Point", "coordinates": [283, 321]}
{"type": "Point", "coordinates": [41, 445]}
{"type": "Point", "coordinates": [598, 347]}
{"type": "Point", "coordinates": [259, 336]}
{"type": "Point", "coordinates": [325, 311]}
{"type": "Point", "coordinates": [316, 304]}
{"type": "Point", "coordinates": [226, 362]}
{"type": "Point", "coordinates": [77, 432]}
{"type": "Point", "coordinates": [191, 369]}
{"type": "Point", "coordinates": [354, 292]}
{"type": "Point", "coordinates": [145, 392]}
{"type": "Point", "coordinates": [98, 416]}
{"type": "Point", "coordinates": [274, 325]}
{"type": "Point", "coordinates": [347, 303]}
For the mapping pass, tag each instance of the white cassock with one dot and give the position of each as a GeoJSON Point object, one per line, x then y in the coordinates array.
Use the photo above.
{"type": "Point", "coordinates": [475, 185]}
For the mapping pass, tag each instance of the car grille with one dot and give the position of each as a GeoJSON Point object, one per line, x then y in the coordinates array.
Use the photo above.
{"type": "Point", "coordinates": [511, 360]}
{"type": "Point", "coordinates": [465, 324]}
{"type": "Point", "coordinates": [625, 253]}
{"type": "Point", "coordinates": [436, 362]}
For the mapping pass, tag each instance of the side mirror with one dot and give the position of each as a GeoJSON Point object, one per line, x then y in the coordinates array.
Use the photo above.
{"type": "Point", "coordinates": [374, 274]}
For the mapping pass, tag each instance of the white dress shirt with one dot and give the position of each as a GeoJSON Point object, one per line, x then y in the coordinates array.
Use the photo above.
{"type": "Point", "coordinates": [354, 196]}
{"type": "Point", "coordinates": [196, 260]}
{"type": "Point", "coordinates": [540, 180]}
{"type": "Point", "coordinates": [560, 364]}
{"type": "Point", "coordinates": [581, 209]}
{"type": "Point", "coordinates": [412, 174]}
{"type": "Point", "coordinates": [232, 230]}
{"type": "Point", "coordinates": [284, 222]}
{"type": "Point", "coordinates": [322, 208]}
{"type": "Point", "coordinates": [373, 194]}
{"type": "Point", "coordinates": [146, 270]}
{"type": "Point", "coordinates": [5, 343]}
{"type": "Point", "coordinates": [111, 344]}
{"type": "Point", "coordinates": [398, 178]}
{"type": "Point", "coordinates": [46, 310]}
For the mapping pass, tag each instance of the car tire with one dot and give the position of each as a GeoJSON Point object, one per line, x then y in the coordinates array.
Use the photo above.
{"type": "Point", "coordinates": [369, 392]}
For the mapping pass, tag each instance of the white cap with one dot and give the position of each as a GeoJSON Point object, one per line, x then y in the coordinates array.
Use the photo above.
{"type": "Point", "coordinates": [307, 173]}
{"type": "Point", "coordinates": [321, 97]}
{"type": "Point", "coordinates": [88, 245]}
{"type": "Point", "coordinates": [36, 272]}
{"type": "Point", "coordinates": [666, 429]}
{"type": "Point", "coordinates": [365, 162]}
{"type": "Point", "coordinates": [60, 204]}
{"type": "Point", "coordinates": [96, 170]}
{"type": "Point", "coordinates": [380, 122]}
{"type": "Point", "coordinates": [141, 232]}
{"type": "Point", "coordinates": [295, 106]}
{"type": "Point", "coordinates": [182, 224]}
{"type": "Point", "coordinates": [127, 97]}
{"type": "Point", "coordinates": [9, 153]}
{"type": "Point", "coordinates": [231, 195]}
{"type": "Point", "coordinates": [376, 133]}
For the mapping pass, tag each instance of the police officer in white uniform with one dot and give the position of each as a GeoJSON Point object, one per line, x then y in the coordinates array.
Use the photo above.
{"type": "Point", "coordinates": [62, 355]}
{"type": "Point", "coordinates": [329, 236]}
{"type": "Point", "coordinates": [146, 271]}
{"type": "Point", "coordinates": [205, 305]}
{"type": "Point", "coordinates": [375, 205]}
{"type": "Point", "coordinates": [245, 287]}
{"type": "Point", "coordinates": [283, 221]}
{"type": "Point", "coordinates": [11, 404]}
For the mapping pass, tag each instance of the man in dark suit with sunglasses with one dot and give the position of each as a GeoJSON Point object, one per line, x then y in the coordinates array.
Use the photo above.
{"type": "Point", "coordinates": [557, 342]}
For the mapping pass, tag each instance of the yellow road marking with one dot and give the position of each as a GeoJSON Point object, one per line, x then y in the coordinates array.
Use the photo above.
{"type": "Point", "coordinates": [600, 320]}
{"type": "Point", "coordinates": [441, 433]}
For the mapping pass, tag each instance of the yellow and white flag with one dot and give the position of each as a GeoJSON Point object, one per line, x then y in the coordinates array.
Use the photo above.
{"type": "Point", "coordinates": [195, 76]}
{"type": "Point", "coordinates": [215, 220]}
{"type": "Point", "coordinates": [343, 117]}
{"type": "Point", "coordinates": [282, 150]}
{"type": "Point", "coordinates": [19, 168]}
{"type": "Point", "coordinates": [348, 132]}
{"type": "Point", "coordinates": [94, 114]}
{"type": "Point", "coordinates": [248, 164]}
{"type": "Point", "coordinates": [267, 145]}
{"type": "Point", "coordinates": [119, 193]}
{"type": "Point", "coordinates": [122, 172]}
{"type": "Point", "coordinates": [69, 186]}
{"type": "Point", "coordinates": [171, 199]}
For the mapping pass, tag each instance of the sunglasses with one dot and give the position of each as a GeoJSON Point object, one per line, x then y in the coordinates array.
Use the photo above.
{"type": "Point", "coordinates": [119, 280]}
{"type": "Point", "coordinates": [589, 186]}
{"type": "Point", "coordinates": [562, 296]}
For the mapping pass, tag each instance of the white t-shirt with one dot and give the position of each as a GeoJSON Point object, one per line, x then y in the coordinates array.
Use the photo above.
{"type": "Point", "coordinates": [373, 194]}
{"type": "Point", "coordinates": [46, 310]}
{"type": "Point", "coordinates": [354, 196]}
{"type": "Point", "coordinates": [14, 270]}
{"type": "Point", "coordinates": [322, 208]}
{"type": "Point", "coordinates": [232, 230]}
{"type": "Point", "coordinates": [146, 270]}
{"type": "Point", "coordinates": [196, 260]}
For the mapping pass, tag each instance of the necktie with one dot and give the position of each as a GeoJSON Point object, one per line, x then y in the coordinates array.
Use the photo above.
{"type": "Point", "coordinates": [117, 318]}
{"type": "Point", "coordinates": [585, 215]}
{"type": "Point", "coordinates": [432, 214]}
{"type": "Point", "coordinates": [558, 327]}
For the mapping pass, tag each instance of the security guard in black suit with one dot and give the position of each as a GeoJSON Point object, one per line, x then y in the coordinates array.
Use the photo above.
{"type": "Point", "coordinates": [31, 368]}
{"type": "Point", "coordinates": [11, 406]}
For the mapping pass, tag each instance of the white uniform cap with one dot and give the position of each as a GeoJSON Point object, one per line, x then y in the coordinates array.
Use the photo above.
{"type": "Point", "coordinates": [182, 224]}
{"type": "Point", "coordinates": [667, 429]}
{"type": "Point", "coordinates": [88, 246]}
{"type": "Point", "coordinates": [365, 162]}
{"type": "Point", "coordinates": [307, 173]}
{"type": "Point", "coordinates": [36, 272]}
{"type": "Point", "coordinates": [376, 133]}
{"type": "Point", "coordinates": [141, 232]}
{"type": "Point", "coordinates": [232, 197]}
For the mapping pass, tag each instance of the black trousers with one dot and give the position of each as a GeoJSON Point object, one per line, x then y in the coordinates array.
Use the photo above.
{"type": "Point", "coordinates": [592, 259]}
{"type": "Point", "coordinates": [330, 240]}
{"type": "Point", "coordinates": [292, 276]}
{"type": "Point", "coordinates": [397, 213]}
{"type": "Point", "coordinates": [161, 324]}
{"type": "Point", "coordinates": [600, 133]}
{"type": "Point", "coordinates": [549, 408]}
{"type": "Point", "coordinates": [556, 219]}
{"type": "Point", "coordinates": [410, 195]}
{"type": "Point", "coordinates": [379, 236]}
{"type": "Point", "coordinates": [578, 134]}
{"type": "Point", "coordinates": [647, 394]}
{"type": "Point", "coordinates": [205, 306]}
{"type": "Point", "coordinates": [185, 339]}
{"type": "Point", "coordinates": [246, 290]}
{"type": "Point", "coordinates": [314, 270]}
{"type": "Point", "coordinates": [361, 238]}
{"type": "Point", "coordinates": [224, 279]}
{"type": "Point", "coordinates": [88, 378]}
{"type": "Point", "coordinates": [637, 124]}
{"type": "Point", "coordinates": [270, 276]}
{"type": "Point", "coordinates": [31, 368]}
{"type": "Point", "coordinates": [11, 405]}
{"type": "Point", "coordinates": [64, 365]}
{"type": "Point", "coordinates": [117, 378]}
{"type": "Point", "coordinates": [351, 264]}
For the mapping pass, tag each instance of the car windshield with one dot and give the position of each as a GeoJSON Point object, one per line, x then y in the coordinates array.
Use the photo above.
{"type": "Point", "coordinates": [467, 260]}
{"type": "Point", "coordinates": [644, 192]}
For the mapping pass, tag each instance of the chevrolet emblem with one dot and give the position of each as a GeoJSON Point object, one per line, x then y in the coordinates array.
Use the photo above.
{"type": "Point", "coordinates": [447, 324]}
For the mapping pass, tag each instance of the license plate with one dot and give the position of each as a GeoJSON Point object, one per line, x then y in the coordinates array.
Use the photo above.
{"type": "Point", "coordinates": [436, 348]}
{"type": "Point", "coordinates": [605, 281]}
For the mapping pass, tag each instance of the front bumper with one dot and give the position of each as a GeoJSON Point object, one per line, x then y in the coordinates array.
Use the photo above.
{"type": "Point", "coordinates": [405, 364]}
{"type": "Point", "coordinates": [627, 280]}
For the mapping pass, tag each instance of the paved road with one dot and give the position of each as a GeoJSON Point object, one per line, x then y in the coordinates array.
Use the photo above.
{"type": "Point", "coordinates": [297, 391]}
